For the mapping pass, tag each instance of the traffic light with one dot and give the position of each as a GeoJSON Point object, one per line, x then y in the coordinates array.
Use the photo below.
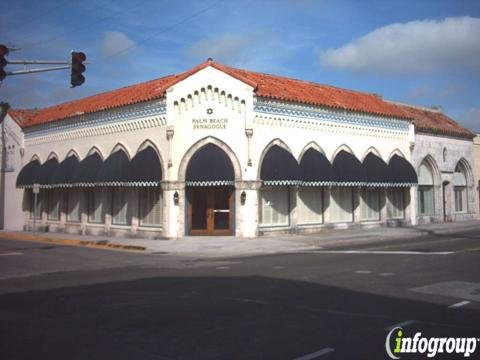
{"type": "Point", "coordinates": [78, 68]}
{"type": "Point", "coordinates": [3, 62]}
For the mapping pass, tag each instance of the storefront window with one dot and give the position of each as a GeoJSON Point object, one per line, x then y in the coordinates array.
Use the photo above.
{"type": "Point", "coordinates": [395, 203]}
{"type": "Point", "coordinates": [370, 204]}
{"type": "Point", "coordinates": [460, 189]}
{"type": "Point", "coordinates": [73, 205]}
{"type": "Point", "coordinates": [35, 207]}
{"type": "Point", "coordinates": [150, 206]}
{"type": "Point", "coordinates": [310, 207]}
{"type": "Point", "coordinates": [53, 204]}
{"type": "Point", "coordinates": [425, 190]}
{"type": "Point", "coordinates": [121, 208]}
{"type": "Point", "coordinates": [274, 206]}
{"type": "Point", "coordinates": [341, 204]}
{"type": "Point", "coordinates": [98, 203]}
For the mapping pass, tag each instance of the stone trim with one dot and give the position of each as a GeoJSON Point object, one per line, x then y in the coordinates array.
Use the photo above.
{"type": "Point", "coordinates": [292, 110]}
{"type": "Point", "coordinates": [124, 119]}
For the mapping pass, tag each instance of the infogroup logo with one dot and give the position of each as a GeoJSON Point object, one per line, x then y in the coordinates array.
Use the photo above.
{"type": "Point", "coordinates": [397, 344]}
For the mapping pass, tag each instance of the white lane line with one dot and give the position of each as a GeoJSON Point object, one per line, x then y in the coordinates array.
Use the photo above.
{"type": "Point", "coordinates": [316, 354]}
{"type": "Point", "coordinates": [459, 304]}
{"type": "Point", "coordinates": [222, 267]}
{"type": "Point", "coordinates": [248, 300]}
{"type": "Point", "coordinates": [402, 324]}
{"type": "Point", "coordinates": [363, 272]}
{"type": "Point", "coordinates": [11, 253]}
{"type": "Point", "coordinates": [382, 252]}
{"type": "Point", "coordinates": [387, 274]}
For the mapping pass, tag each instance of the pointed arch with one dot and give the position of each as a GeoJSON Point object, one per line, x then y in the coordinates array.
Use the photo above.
{"type": "Point", "coordinates": [182, 169]}
{"type": "Point", "coordinates": [341, 148]}
{"type": "Point", "coordinates": [373, 150]}
{"type": "Point", "coordinates": [72, 152]}
{"type": "Point", "coordinates": [397, 152]}
{"type": "Point", "coordinates": [311, 145]}
{"type": "Point", "coordinates": [348, 170]}
{"type": "Point", "coordinates": [432, 165]}
{"type": "Point", "coordinates": [146, 143]}
{"type": "Point", "coordinates": [467, 169]}
{"type": "Point", "coordinates": [122, 147]}
{"type": "Point", "coordinates": [52, 155]}
{"type": "Point", "coordinates": [275, 142]}
{"type": "Point", "coordinates": [95, 150]}
{"type": "Point", "coordinates": [35, 157]}
{"type": "Point", "coordinates": [149, 143]}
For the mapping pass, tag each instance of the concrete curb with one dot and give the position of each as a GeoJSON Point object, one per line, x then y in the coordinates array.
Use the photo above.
{"type": "Point", "coordinates": [72, 242]}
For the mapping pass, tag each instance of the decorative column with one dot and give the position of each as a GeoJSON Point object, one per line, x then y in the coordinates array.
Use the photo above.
{"type": "Point", "coordinates": [170, 133]}
{"type": "Point", "coordinates": [133, 194]}
{"type": "Point", "coordinates": [247, 209]}
{"type": "Point", "coordinates": [326, 204]}
{"type": "Point", "coordinates": [249, 133]}
{"type": "Point", "coordinates": [356, 204]}
{"type": "Point", "coordinates": [382, 202]}
{"type": "Point", "coordinates": [173, 208]}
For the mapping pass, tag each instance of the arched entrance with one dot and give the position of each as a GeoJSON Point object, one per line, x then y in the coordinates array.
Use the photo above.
{"type": "Point", "coordinates": [209, 181]}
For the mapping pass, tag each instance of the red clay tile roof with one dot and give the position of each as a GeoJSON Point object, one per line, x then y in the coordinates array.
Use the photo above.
{"type": "Point", "coordinates": [265, 85]}
{"type": "Point", "coordinates": [434, 121]}
{"type": "Point", "coordinates": [22, 116]}
{"type": "Point", "coordinates": [108, 100]}
{"type": "Point", "coordinates": [286, 89]}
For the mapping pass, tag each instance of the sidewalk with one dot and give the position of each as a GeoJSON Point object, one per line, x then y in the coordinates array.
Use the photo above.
{"type": "Point", "coordinates": [229, 246]}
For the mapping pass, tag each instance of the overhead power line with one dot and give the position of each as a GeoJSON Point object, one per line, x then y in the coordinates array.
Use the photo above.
{"type": "Point", "coordinates": [166, 29]}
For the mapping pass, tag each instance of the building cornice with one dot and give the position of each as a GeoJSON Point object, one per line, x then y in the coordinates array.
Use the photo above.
{"type": "Point", "coordinates": [294, 110]}
{"type": "Point", "coordinates": [129, 118]}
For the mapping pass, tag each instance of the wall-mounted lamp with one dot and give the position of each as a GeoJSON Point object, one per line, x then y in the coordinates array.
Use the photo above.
{"type": "Point", "coordinates": [175, 198]}
{"type": "Point", "coordinates": [243, 197]}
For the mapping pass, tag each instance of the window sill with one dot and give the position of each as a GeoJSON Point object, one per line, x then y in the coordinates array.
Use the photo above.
{"type": "Point", "coordinates": [283, 226]}
{"type": "Point", "coordinates": [311, 225]}
{"type": "Point", "coordinates": [150, 227]}
{"type": "Point", "coordinates": [119, 226]}
{"type": "Point", "coordinates": [95, 224]}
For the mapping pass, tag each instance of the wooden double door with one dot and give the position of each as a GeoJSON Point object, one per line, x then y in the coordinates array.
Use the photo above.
{"type": "Point", "coordinates": [210, 210]}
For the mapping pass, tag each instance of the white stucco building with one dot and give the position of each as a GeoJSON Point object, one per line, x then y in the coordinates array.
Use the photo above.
{"type": "Point", "coordinates": [218, 150]}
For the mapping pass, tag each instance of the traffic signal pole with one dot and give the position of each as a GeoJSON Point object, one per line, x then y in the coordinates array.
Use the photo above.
{"type": "Point", "coordinates": [37, 62]}
{"type": "Point", "coordinates": [76, 65]}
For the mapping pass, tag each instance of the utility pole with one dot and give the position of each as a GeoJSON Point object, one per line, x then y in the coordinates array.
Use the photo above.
{"type": "Point", "coordinates": [3, 113]}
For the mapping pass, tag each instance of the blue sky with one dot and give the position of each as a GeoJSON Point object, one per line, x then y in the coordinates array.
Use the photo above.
{"type": "Point", "coordinates": [423, 52]}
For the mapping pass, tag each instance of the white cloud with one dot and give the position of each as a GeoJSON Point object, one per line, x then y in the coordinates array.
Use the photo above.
{"type": "Point", "coordinates": [114, 42]}
{"type": "Point", "coordinates": [413, 47]}
{"type": "Point", "coordinates": [232, 49]}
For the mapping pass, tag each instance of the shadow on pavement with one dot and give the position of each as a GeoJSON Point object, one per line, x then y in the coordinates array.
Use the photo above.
{"type": "Point", "coordinates": [213, 318]}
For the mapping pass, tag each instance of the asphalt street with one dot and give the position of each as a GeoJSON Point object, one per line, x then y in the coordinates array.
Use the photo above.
{"type": "Point", "coordinates": [338, 302]}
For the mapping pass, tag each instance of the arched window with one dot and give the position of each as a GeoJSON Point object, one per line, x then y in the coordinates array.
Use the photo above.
{"type": "Point", "coordinates": [460, 189]}
{"type": "Point", "coordinates": [425, 190]}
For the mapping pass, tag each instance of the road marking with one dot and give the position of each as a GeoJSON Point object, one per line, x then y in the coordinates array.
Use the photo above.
{"type": "Point", "coordinates": [278, 267]}
{"type": "Point", "coordinates": [363, 272]}
{"type": "Point", "coordinates": [316, 354]}
{"type": "Point", "coordinates": [11, 253]}
{"type": "Point", "coordinates": [402, 324]}
{"type": "Point", "coordinates": [461, 290]}
{"type": "Point", "coordinates": [382, 252]}
{"type": "Point", "coordinates": [387, 274]}
{"type": "Point", "coordinates": [459, 304]}
{"type": "Point", "coordinates": [222, 267]}
{"type": "Point", "coordinates": [248, 300]}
